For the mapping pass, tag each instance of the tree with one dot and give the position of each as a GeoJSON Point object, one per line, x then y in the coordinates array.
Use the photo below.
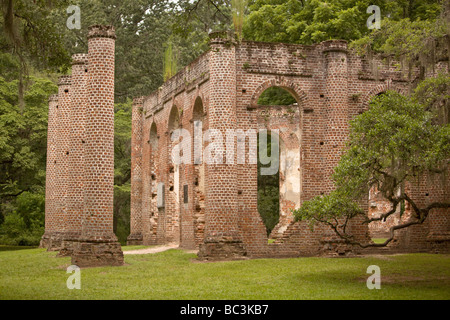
{"type": "Point", "coordinates": [122, 169]}
{"type": "Point", "coordinates": [30, 36]}
{"type": "Point", "coordinates": [276, 96]}
{"type": "Point", "coordinates": [313, 21]}
{"type": "Point", "coordinates": [268, 191]}
{"type": "Point", "coordinates": [23, 132]}
{"type": "Point", "coordinates": [414, 43]}
{"type": "Point", "coordinates": [392, 144]}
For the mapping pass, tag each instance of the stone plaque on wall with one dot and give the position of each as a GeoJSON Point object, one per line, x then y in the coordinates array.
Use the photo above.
{"type": "Point", "coordinates": [185, 193]}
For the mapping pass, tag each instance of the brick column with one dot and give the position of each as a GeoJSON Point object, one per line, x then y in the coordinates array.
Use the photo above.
{"type": "Point", "coordinates": [62, 163]}
{"type": "Point", "coordinates": [98, 245]}
{"type": "Point", "coordinates": [338, 118]}
{"type": "Point", "coordinates": [222, 234]}
{"type": "Point", "coordinates": [75, 194]}
{"type": "Point", "coordinates": [136, 237]}
{"type": "Point", "coordinates": [51, 172]}
{"type": "Point", "coordinates": [337, 105]}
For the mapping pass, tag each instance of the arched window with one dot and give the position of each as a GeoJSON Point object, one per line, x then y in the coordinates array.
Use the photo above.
{"type": "Point", "coordinates": [276, 96]}
{"type": "Point", "coordinates": [198, 116]}
{"type": "Point", "coordinates": [279, 192]}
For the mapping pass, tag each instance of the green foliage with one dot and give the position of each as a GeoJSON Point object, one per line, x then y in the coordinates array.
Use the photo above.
{"type": "Point", "coordinates": [203, 16]}
{"type": "Point", "coordinates": [326, 209]}
{"type": "Point", "coordinates": [276, 96]}
{"type": "Point", "coordinates": [31, 33]}
{"type": "Point", "coordinates": [434, 94]}
{"type": "Point", "coordinates": [414, 43]}
{"type": "Point", "coordinates": [395, 141]}
{"type": "Point", "coordinates": [24, 220]}
{"type": "Point", "coordinates": [268, 192]}
{"type": "Point", "coordinates": [23, 142]}
{"type": "Point", "coordinates": [122, 169]}
{"type": "Point", "coordinates": [238, 9]}
{"type": "Point", "coordinates": [313, 21]}
{"type": "Point", "coordinates": [122, 212]}
{"type": "Point", "coordinates": [170, 62]}
{"type": "Point", "coordinates": [396, 135]}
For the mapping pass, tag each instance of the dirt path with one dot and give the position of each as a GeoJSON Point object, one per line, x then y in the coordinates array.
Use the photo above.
{"type": "Point", "coordinates": [153, 249]}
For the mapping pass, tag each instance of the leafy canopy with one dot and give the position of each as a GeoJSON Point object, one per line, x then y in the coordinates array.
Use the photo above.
{"type": "Point", "coordinates": [312, 21]}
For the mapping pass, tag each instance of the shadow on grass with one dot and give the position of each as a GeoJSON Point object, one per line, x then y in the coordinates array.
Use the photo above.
{"type": "Point", "coordinates": [15, 248]}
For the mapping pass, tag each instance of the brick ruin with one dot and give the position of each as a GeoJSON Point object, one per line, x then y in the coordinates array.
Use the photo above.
{"type": "Point", "coordinates": [212, 207]}
{"type": "Point", "coordinates": [80, 158]}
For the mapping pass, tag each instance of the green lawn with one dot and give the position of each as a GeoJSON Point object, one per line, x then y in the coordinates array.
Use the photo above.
{"type": "Point", "coordinates": [130, 248]}
{"type": "Point", "coordinates": [174, 274]}
{"type": "Point", "coordinates": [379, 240]}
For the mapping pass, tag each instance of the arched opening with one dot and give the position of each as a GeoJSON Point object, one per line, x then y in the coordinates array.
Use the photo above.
{"type": "Point", "coordinates": [172, 207]}
{"type": "Point", "coordinates": [279, 192]}
{"type": "Point", "coordinates": [268, 185]}
{"type": "Point", "coordinates": [199, 172]}
{"type": "Point", "coordinates": [276, 96]}
{"type": "Point", "coordinates": [153, 141]}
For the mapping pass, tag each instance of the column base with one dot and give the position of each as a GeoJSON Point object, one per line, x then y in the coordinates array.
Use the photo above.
{"type": "Point", "coordinates": [222, 247]}
{"type": "Point", "coordinates": [97, 253]}
{"type": "Point", "coordinates": [135, 239]}
{"type": "Point", "coordinates": [54, 241]}
{"type": "Point", "coordinates": [45, 240]}
{"type": "Point", "coordinates": [67, 244]}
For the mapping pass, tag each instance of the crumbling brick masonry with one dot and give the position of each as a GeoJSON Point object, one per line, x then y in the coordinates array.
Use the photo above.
{"type": "Point", "coordinates": [212, 206]}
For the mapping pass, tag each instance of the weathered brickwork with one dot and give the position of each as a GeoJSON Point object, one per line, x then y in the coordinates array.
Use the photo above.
{"type": "Point", "coordinates": [98, 244]}
{"type": "Point", "coordinates": [61, 163]}
{"type": "Point", "coordinates": [220, 90]}
{"type": "Point", "coordinates": [80, 178]}
{"type": "Point", "coordinates": [51, 173]}
{"type": "Point", "coordinates": [136, 236]}
{"type": "Point", "coordinates": [75, 174]}
{"type": "Point", "coordinates": [211, 206]}
{"type": "Point", "coordinates": [285, 119]}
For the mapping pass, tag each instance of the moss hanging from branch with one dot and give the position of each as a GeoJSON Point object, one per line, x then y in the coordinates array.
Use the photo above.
{"type": "Point", "coordinates": [170, 62]}
{"type": "Point", "coordinates": [238, 8]}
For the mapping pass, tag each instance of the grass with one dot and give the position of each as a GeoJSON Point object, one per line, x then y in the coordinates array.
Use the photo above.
{"type": "Point", "coordinates": [175, 274]}
{"type": "Point", "coordinates": [130, 248]}
{"type": "Point", "coordinates": [379, 240]}
{"type": "Point", "coordinates": [11, 248]}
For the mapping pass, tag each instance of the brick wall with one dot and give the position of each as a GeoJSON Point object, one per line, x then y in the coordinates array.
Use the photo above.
{"type": "Point", "coordinates": [213, 207]}
{"type": "Point", "coordinates": [331, 86]}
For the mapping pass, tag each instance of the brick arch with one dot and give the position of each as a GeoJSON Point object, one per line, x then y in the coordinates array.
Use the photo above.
{"type": "Point", "coordinates": [198, 99]}
{"type": "Point", "coordinates": [288, 85]}
{"type": "Point", "coordinates": [380, 88]}
{"type": "Point", "coordinates": [153, 125]}
{"type": "Point", "coordinates": [174, 112]}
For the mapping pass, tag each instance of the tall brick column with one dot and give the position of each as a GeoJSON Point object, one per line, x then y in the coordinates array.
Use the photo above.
{"type": "Point", "coordinates": [51, 172]}
{"type": "Point", "coordinates": [62, 163]}
{"type": "Point", "coordinates": [337, 105]}
{"type": "Point", "coordinates": [98, 245]}
{"type": "Point", "coordinates": [338, 125]}
{"type": "Point", "coordinates": [75, 191]}
{"type": "Point", "coordinates": [136, 237]}
{"type": "Point", "coordinates": [222, 235]}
